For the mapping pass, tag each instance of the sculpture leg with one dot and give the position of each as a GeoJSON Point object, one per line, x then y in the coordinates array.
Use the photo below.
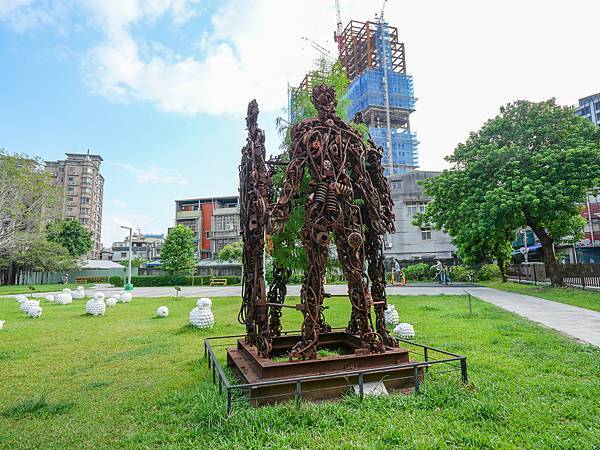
{"type": "Point", "coordinates": [376, 270]}
{"type": "Point", "coordinates": [277, 293]}
{"type": "Point", "coordinates": [315, 246]}
{"type": "Point", "coordinates": [350, 247]}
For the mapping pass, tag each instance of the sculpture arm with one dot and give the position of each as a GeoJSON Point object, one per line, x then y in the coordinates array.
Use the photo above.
{"type": "Point", "coordinates": [292, 180]}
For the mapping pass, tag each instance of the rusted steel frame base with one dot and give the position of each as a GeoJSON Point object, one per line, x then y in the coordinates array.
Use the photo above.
{"type": "Point", "coordinates": [252, 369]}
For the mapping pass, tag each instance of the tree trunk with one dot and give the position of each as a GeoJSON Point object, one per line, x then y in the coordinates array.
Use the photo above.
{"type": "Point", "coordinates": [550, 263]}
{"type": "Point", "coordinates": [502, 266]}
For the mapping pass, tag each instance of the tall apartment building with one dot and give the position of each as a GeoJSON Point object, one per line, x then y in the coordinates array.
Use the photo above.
{"type": "Point", "coordinates": [411, 243]}
{"type": "Point", "coordinates": [215, 222]}
{"type": "Point", "coordinates": [83, 185]}
{"type": "Point", "coordinates": [589, 107]}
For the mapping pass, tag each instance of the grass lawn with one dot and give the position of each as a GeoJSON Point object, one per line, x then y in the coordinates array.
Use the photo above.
{"type": "Point", "coordinates": [24, 289]}
{"type": "Point", "coordinates": [130, 380]}
{"type": "Point", "coordinates": [569, 295]}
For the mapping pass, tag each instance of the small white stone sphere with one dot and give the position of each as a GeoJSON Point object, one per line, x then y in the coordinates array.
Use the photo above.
{"type": "Point", "coordinates": [50, 298]}
{"type": "Point", "coordinates": [404, 331]}
{"type": "Point", "coordinates": [21, 298]}
{"type": "Point", "coordinates": [202, 317]}
{"type": "Point", "coordinates": [35, 312]}
{"type": "Point", "coordinates": [111, 302]}
{"type": "Point", "coordinates": [95, 306]}
{"type": "Point", "coordinates": [2, 324]}
{"type": "Point", "coordinates": [27, 305]}
{"type": "Point", "coordinates": [162, 311]}
{"type": "Point", "coordinates": [390, 315]}
{"type": "Point", "coordinates": [66, 291]}
{"type": "Point", "coordinates": [124, 297]}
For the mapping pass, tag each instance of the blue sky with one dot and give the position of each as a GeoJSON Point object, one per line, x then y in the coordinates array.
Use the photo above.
{"type": "Point", "coordinates": [159, 87]}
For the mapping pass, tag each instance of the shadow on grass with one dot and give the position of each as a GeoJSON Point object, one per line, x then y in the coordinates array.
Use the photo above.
{"type": "Point", "coordinates": [187, 329]}
{"type": "Point", "coordinates": [37, 406]}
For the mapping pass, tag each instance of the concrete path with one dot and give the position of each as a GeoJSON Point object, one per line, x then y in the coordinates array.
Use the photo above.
{"type": "Point", "coordinates": [580, 323]}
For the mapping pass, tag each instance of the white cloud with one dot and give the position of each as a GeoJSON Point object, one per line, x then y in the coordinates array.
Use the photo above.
{"type": "Point", "coordinates": [112, 222]}
{"type": "Point", "coordinates": [119, 203]}
{"type": "Point", "coordinates": [23, 15]}
{"type": "Point", "coordinates": [153, 174]}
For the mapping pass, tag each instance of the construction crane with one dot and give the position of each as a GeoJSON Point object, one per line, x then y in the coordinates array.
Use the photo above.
{"type": "Point", "coordinates": [322, 50]}
{"type": "Point", "coordinates": [386, 94]}
{"type": "Point", "coordinates": [338, 15]}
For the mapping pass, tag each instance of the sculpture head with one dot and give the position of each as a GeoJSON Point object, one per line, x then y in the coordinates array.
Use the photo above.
{"type": "Point", "coordinates": [252, 114]}
{"type": "Point", "coordinates": [323, 97]}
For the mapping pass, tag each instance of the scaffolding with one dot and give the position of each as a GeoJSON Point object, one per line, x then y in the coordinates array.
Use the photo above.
{"type": "Point", "coordinates": [361, 53]}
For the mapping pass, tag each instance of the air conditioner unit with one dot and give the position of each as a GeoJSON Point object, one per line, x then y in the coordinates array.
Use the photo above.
{"type": "Point", "coordinates": [388, 245]}
{"type": "Point", "coordinates": [596, 242]}
{"type": "Point", "coordinates": [230, 227]}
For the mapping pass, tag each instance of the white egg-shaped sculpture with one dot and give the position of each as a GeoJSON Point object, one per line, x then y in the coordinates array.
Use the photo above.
{"type": "Point", "coordinates": [20, 298]}
{"type": "Point", "coordinates": [35, 312]}
{"type": "Point", "coordinates": [64, 298]}
{"type": "Point", "coordinates": [162, 311]}
{"type": "Point", "coordinates": [27, 305]}
{"type": "Point", "coordinates": [201, 316]}
{"type": "Point", "coordinates": [78, 293]}
{"type": "Point", "coordinates": [50, 298]}
{"type": "Point", "coordinates": [124, 297]}
{"type": "Point", "coordinates": [404, 331]}
{"type": "Point", "coordinates": [111, 302]}
{"type": "Point", "coordinates": [2, 324]}
{"type": "Point", "coordinates": [96, 306]}
{"type": "Point", "coordinates": [390, 315]}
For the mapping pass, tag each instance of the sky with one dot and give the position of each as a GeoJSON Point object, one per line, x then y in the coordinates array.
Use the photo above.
{"type": "Point", "coordinates": [159, 88]}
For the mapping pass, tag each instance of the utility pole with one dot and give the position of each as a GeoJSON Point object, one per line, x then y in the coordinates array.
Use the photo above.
{"type": "Point", "coordinates": [386, 95]}
{"type": "Point", "coordinates": [130, 252]}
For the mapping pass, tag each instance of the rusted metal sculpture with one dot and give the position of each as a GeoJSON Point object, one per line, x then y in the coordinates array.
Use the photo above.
{"type": "Point", "coordinates": [373, 239]}
{"type": "Point", "coordinates": [336, 158]}
{"type": "Point", "coordinates": [255, 184]}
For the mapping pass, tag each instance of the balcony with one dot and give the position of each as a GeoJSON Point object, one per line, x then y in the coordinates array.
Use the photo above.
{"type": "Point", "coordinates": [187, 214]}
{"type": "Point", "coordinates": [221, 234]}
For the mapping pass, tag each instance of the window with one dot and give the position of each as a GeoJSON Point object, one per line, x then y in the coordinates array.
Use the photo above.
{"type": "Point", "coordinates": [425, 233]}
{"type": "Point", "coordinates": [413, 208]}
{"type": "Point", "coordinates": [396, 184]}
{"type": "Point", "coordinates": [71, 189]}
{"type": "Point", "coordinates": [86, 190]}
{"type": "Point", "coordinates": [83, 221]}
{"type": "Point", "coordinates": [123, 254]}
{"type": "Point", "coordinates": [85, 200]}
{"type": "Point", "coordinates": [87, 180]}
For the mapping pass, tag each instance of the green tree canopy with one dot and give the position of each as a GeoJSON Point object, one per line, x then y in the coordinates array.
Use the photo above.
{"type": "Point", "coordinates": [27, 199]}
{"type": "Point", "coordinates": [178, 251]}
{"type": "Point", "coordinates": [71, 235]}
{"type": "Point", "coordinates": [42, 255]}
{"type": "Point", "coordinates": [231, 252]}
{"type": "Point", "coordinates": [532, 165]}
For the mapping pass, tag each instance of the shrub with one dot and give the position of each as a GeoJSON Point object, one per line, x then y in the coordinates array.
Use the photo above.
{"type": "Point", "coordinates": [418, 271]}
{"type": "Point", "coordinates": [489, 272]}
{"type": "Point", "coordinates": [174, 280]}
{"type": "Point", "coordinates": [462, 273]}
{"type": "Point", "coordinates": [95, 279]}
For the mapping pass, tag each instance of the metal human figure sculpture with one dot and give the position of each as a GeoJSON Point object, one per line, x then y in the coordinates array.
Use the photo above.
{"type": "Point", "coordinates": [255, 186]}
{"type": "Point", "coordinates": [373, 239]}
{"type": "Point", "coordinates": [336, 158]}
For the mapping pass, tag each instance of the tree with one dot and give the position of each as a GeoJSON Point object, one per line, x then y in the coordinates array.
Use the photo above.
{"type": "Point", "coordinates": [178, 251]}
{"type": "Point", "coordinates": [27, 199]}
{"type": "Point", "coordinates": [70, 234]}
{"type": "Point", "coordinates": [45, 256]}
{"type": "Point", "coordinates": [137, 261]}
{"type": "Point", "coordinates": [231, 252]}
{"type": "Point", "coordinates": [532, 165]}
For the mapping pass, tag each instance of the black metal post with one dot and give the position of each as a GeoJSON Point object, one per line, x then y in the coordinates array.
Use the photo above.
{"type": "Point", "coordinates": [463, 370]}
{"type": "Point", "coordinates": [416, 378]}
{"type": "Point", "coordinates": [220, 385]}
{"type": "Point", "coordinates": [361, 389]}
{"type": "Point", "coordinates": [426, 357]}
{"type": "Point", "coordinates": [298, 391]}
{"type": "Point", "coordinates": [228, 401]}
{"type": "Point", "coordinates": [213, 373]}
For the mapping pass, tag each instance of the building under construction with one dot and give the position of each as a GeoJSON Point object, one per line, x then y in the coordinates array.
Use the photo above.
{"type": "Point", "coordinates": [370, 52]}
{"type": "Point", "coordinates": [374, 58]}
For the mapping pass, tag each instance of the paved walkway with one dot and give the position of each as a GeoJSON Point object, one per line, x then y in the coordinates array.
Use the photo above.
{"type": "Point", "coordinates": [579, 323]}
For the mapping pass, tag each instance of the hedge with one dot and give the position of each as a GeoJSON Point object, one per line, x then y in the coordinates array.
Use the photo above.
{"type": "Point", "coordinates": [175, 280]}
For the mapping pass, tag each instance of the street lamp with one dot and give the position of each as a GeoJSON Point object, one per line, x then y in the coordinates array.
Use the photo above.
{"type": "Point", "coordinates": [130, 251]}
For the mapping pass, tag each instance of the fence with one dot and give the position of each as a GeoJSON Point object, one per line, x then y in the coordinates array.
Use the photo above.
{"type": "Point", "coordinates": [578, 275]}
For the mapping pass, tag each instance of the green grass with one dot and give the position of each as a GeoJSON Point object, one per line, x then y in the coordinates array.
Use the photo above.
{"type": "Point", "coordinates": [129, 379]}
{"type": "Point", "coordinates": [24, 289]}
{"type": "Point", "coordinates": [572, 296]}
